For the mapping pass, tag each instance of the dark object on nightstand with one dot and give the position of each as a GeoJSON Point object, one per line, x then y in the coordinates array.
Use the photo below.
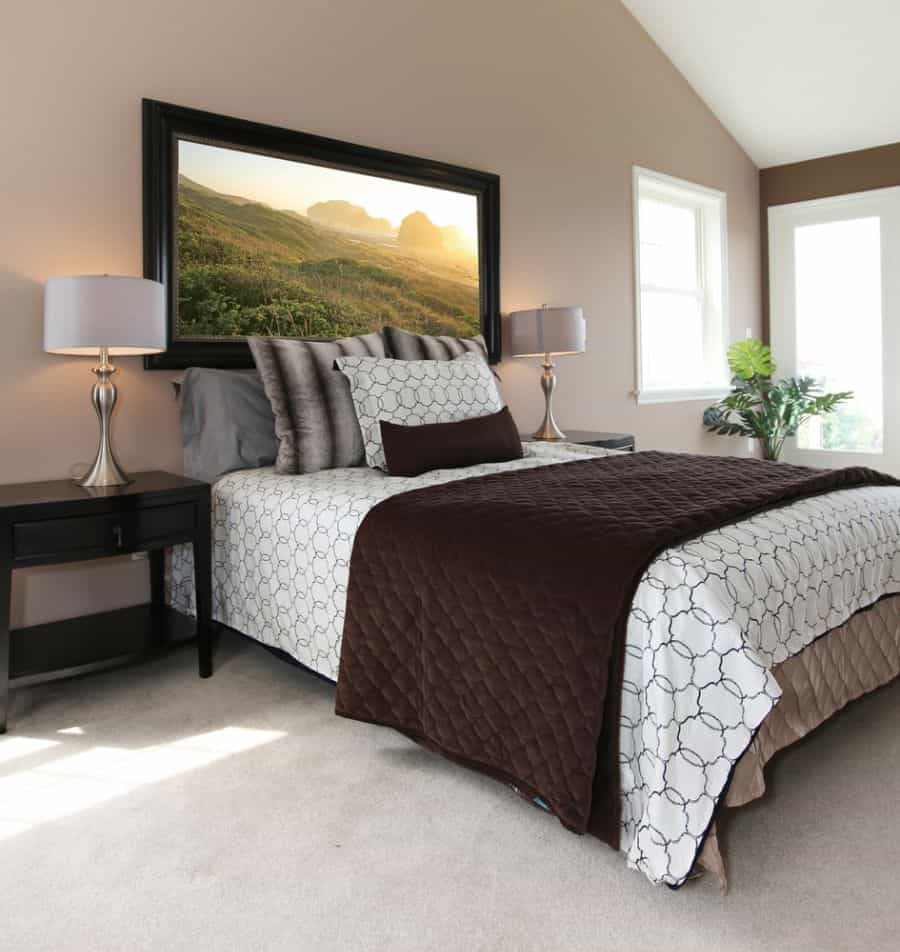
{"type": "Point", "coordinates": [59, 521]}
{"type": "Point", "coordinates": [609, 441]}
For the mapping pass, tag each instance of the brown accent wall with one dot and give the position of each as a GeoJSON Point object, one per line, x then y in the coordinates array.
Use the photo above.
{"type": "Point", "coordinates": [821, 178]}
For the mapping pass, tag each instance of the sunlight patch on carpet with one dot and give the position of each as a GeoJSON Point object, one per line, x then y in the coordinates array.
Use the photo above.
{"type": "Point", "coordinates": [70, 784]}
{"type": "Point", "coordinates": [13, 747]}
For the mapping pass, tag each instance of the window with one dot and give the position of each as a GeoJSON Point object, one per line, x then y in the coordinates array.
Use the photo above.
{"type": "Point", "coordinates": [833, 297]}
{"type": "Point", "coordinates": [837, 272]}
{"type": "Point", "coordinates": [681, 278]}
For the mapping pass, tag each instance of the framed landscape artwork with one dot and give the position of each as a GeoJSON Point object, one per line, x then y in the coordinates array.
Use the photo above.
{"type": "Point", "coordinates": [256, 230]}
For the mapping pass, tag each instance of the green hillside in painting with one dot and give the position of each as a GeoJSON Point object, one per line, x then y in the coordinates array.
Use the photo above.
{"type": "Point", "coordinates": [245, 268]}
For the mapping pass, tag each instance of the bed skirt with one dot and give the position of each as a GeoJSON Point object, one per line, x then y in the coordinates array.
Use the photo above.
{"type": "Point", "coordinates": [854, 659]}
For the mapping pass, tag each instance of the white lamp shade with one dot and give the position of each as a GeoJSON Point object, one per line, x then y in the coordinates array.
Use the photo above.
{"type": "Point", "coordinates": [83, 313]}
{"type": "Point", "coordinates": [547, 330]}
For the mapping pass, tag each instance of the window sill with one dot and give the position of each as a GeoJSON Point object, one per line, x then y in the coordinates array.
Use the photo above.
{"type": "Point", "coordinates": [679, 396]}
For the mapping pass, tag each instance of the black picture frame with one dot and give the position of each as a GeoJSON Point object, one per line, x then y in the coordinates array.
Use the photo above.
{"type": "Point", "coordinates": [164, 124]}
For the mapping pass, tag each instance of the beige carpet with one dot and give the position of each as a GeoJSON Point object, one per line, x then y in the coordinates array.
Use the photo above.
{"type": "Point", "coordinates": [239, 813]}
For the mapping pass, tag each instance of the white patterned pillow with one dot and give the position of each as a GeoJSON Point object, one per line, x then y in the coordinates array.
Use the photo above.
{"type": "Point", "coordinates": [413, 392]}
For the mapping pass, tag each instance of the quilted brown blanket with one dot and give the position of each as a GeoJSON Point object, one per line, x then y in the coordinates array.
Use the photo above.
{"type": "Point", "coordinates": [486, 617]}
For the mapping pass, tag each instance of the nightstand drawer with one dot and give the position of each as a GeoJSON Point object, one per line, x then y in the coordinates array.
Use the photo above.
{"type": "Point", "coordinates": [109, 532]}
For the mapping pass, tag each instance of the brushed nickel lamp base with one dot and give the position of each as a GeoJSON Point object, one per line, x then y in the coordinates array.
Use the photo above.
{"type": "Point", "coordinates": [90, 314]}
{"type": "Point", "coordinates": [543, 332]}
{"type": "Point", "coordinates": [548, 430]}
{"type": "Point", "coordinates": [105, 471]}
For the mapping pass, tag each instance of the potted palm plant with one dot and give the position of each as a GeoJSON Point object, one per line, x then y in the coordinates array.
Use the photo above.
{"type": "Point", "coordinates": [762, 408]}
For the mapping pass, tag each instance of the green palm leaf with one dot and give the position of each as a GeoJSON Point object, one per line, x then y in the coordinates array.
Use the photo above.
{"type": "Point", "coordinates": [767, 410]}
{"type": "Point", "coordinates": [750, 358]}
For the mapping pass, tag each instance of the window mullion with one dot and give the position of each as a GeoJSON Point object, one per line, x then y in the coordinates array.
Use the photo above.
{"type": "Point", "coordinates": [696, 293]}
{"type": "Point", "coordinates": [701, 248]}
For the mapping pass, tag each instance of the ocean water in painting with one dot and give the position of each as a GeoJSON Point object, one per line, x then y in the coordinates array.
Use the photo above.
{"type": "Point", "coordinates": [272, 246]}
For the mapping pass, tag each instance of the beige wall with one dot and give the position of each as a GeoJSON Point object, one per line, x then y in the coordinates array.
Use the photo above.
{"type": "Point", "coordinates": [558, 98]}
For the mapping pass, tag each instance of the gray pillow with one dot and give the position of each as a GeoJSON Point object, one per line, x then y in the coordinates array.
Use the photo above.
{"type": "Point", "coordinates": [404, 345]}
{"type": "Point", "coordinates": [315, 421]}
{"type": "Point", "coordinates": [226, 422]}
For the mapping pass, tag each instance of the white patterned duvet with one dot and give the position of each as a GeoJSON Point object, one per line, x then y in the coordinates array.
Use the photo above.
{"type": "Point", "coordinates": [708, 622]}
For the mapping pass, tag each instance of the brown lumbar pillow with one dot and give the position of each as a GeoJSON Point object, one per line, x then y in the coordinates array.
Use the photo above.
{"type": "Point", "coordinates": [411, 450]}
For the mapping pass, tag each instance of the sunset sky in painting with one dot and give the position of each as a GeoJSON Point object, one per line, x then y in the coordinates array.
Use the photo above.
{"type": "Point", "coordinates": [286, 184]}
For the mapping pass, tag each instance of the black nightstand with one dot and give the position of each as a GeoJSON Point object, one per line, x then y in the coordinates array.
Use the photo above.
{"type": "Point", "coordinates": [59, 521]}
{"type": "Point", "coordinates": [609, 441]}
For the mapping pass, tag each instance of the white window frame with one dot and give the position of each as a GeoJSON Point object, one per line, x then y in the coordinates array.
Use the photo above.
{"type": "Point", "coordinates": [884, 204]}
{"type": "Point", "coordinates": [708, 205]}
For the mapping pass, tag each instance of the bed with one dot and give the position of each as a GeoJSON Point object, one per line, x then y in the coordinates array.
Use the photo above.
{"type": "Point", "coordinates": [790, 605]}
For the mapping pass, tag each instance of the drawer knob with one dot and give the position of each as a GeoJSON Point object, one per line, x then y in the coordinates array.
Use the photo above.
{"type": "Point", "coordinates": [117, 534]}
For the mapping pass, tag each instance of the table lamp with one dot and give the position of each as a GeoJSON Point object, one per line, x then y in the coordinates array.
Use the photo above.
{"type": "Point", "coordinates": [102, 316]}
{"type": "Point", "coordinates": [545, 332]}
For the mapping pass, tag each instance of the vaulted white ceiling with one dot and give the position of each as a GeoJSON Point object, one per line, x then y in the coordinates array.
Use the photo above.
{"type": "Point", "coordinates": [790, 79]}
